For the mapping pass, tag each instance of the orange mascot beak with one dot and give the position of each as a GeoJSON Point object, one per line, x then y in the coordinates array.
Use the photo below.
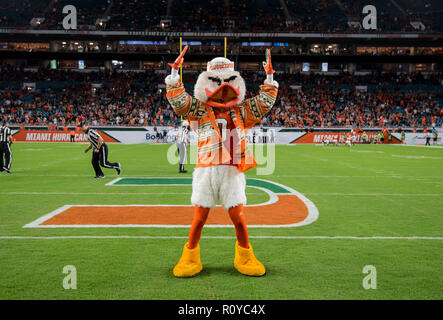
{"type": "Point", "coordinates": [224, 96]}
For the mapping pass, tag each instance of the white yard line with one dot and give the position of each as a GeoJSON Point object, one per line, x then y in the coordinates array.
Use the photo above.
{"type": "Point", "coordinates": [20, 174]}
{"type": "Point", "coordinates": [225, 237]}
{"type": "Point", "coordinates": [257, 193]}
{"type": "Point", "coordinates": [398, 176]}
{"type": "Point", "coordinates": [98, 193]}
{"type": "Point", "coordinates": [404, 156]}
{"type": "Point", "coordinates": [93, 193]}
{"type": "Point", "coordinates": [388, 176]}
{"type": "Point", "coordinates": [377, 194]}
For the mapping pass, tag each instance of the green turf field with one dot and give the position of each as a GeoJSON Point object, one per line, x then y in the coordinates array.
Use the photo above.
{"type": "Point", "coordinates": [363, 192]}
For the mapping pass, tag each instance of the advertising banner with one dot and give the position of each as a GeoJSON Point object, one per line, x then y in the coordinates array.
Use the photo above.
{"type": "Point", "coordinates": [55, 136]}
{"type": "Point", "coordinates": [265, 135]}
{"type": "Point", "coordinates": [319, 137]}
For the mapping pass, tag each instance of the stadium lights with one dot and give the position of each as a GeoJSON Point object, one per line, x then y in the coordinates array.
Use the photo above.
{"type": "Point", "coordinates": [324, 67]}
{"type": "Point", "coordinates": [36, 21]}
{"type": "Point", "coordinates": [165, 23]}
{"type": "Point", "coordinates": [100, 22]}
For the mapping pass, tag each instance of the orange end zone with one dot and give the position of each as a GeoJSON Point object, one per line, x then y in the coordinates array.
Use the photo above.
{"type": "Point", "coordinates": [288, 210]}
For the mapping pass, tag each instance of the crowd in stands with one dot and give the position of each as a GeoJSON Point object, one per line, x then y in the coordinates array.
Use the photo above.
{"type": "Point", "coordinates": [375, 78]}
{"type": "Point", "coordinates": [332, 107]}
{"type": "Point", "coordinates": [88, 11]}
{"type": "Point", "coordinates": [136, 15]}
{"type": "Point", "coordinates": [19, 13]}
{"type": "Point", "coordinates": [228, 15]}
{"type": "Point", "coordinates": [138, 98]}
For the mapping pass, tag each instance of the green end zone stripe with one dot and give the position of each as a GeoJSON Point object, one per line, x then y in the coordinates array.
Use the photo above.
{"type": "Point", "coordinates": [150, 181]}
{"type": "Point", "coordinates": [266, 185]}
{"type": "Point", "coordinates": [188, 181]}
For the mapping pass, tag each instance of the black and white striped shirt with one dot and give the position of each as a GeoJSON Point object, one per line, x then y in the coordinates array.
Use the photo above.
{"type": "Point", "coordinates": [5, 132]}
{"type": "Point", "coordinates": [93, 137]}
{"type": "Point", "coordinates": [182, 134]}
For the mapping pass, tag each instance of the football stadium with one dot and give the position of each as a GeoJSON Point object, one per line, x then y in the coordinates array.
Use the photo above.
{"type": "Point", "coordinates": [230, 150]}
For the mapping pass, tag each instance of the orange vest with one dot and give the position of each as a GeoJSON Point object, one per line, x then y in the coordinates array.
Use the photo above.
{"type": "Point", "coordinates": [211, 150]}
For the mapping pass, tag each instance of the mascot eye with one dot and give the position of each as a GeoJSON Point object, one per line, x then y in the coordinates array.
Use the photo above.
{"type": "Point", "coordinates": [215, 80]}
{"type": "Point", "coordinates": [230, 79]}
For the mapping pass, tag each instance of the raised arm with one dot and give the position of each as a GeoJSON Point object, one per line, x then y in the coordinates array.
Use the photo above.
{"type": "Point", "coordinates": [256, 107]}
{"type": "Point", "coordinates": [174, 77]}
{"type": "Point", "coordinates": [180, 100]}
{"type": "Point", "coordinates": [267, 65]}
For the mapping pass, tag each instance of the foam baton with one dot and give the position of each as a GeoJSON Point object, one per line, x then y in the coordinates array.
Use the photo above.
{"type": "Point", "coordinates": [179, 61]}
{"type": "Point", "coordinates": [268, 64]}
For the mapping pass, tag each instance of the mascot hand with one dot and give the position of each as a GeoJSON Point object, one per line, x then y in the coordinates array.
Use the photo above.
{"type": "Point", "coordinates": [179, 61]}
{"type": "Point", "coordinates": [268, 64]}
{"type": "Point", "coordinates": [174, 77]}
{"type": "Point", "coordinates": [269, 71]}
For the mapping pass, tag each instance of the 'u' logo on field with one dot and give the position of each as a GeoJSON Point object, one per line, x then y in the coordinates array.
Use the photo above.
{"type": "Point", "coordinates": [285, 208]}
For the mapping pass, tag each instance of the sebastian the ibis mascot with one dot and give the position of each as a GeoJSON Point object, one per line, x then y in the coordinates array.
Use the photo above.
{"type": "Point", "coordinates": [221, 116]}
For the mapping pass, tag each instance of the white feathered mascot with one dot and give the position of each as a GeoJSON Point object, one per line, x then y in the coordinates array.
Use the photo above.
{"type": "Point", "coordinates": [221, 116]}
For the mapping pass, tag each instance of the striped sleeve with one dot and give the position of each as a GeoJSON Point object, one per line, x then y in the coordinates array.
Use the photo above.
{"type": "Point", "coordinates": [181, 101]}
{"type": "Point", "coordinates": [256, 107]}
{"type": "Point", "coordinates": [93, 137]}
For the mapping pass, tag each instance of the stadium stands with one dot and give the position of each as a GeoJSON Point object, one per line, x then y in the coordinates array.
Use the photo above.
{"type": "Point", "coordinates": [88, 11]}
{"type": "Point", "coordinates": [222, 16]}
{"type": "Point", "coordinates": [47, 96]}
{"type": "Point", "coordinates": [18, 14]}
{"type": "Point", "coordinates": [130, 98]}
{"type": "Point", "coordinates": [325, 16]}
{"type": "Point", "coordinates": [136, 15]}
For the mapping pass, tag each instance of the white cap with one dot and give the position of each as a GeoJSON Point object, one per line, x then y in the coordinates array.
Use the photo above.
{"type": "Point", "coordinates": [220, 64]}
{"type": "Point", "coordinates": [185, 123]}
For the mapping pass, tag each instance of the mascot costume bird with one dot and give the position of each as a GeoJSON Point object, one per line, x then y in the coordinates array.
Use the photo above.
{"type": "Point", "coordinates": [220, 115]}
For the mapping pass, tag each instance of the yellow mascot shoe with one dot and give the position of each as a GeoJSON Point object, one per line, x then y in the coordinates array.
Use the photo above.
{"type": "Point", "coordinates": [246, 263]}
{"type": "Point", "coordinates": [189, 264]}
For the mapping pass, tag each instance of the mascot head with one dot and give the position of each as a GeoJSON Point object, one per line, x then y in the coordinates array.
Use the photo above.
{"type": "Point", "coordinates": [220, 86]}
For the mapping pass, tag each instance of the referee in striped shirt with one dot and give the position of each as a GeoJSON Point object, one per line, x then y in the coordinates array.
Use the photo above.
{"type": "Point", "coordinates": [5, 147]}
{"type": "Point", "coordinates": [100, 153]}
{"type": "Point", "coordinates": [182, 141]}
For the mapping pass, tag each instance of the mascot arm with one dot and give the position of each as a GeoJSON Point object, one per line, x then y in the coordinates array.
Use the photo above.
{"type": "Point", "coordinates": [180, 100]}
{"type": "Point", "coordinates": [267, 65]}
{"type": "Point", "coordinates": [174, 77]}
{"type": "Point", "coordinates": [255, 108]}
{"type": "Point", "coordinates": [182, 103]}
